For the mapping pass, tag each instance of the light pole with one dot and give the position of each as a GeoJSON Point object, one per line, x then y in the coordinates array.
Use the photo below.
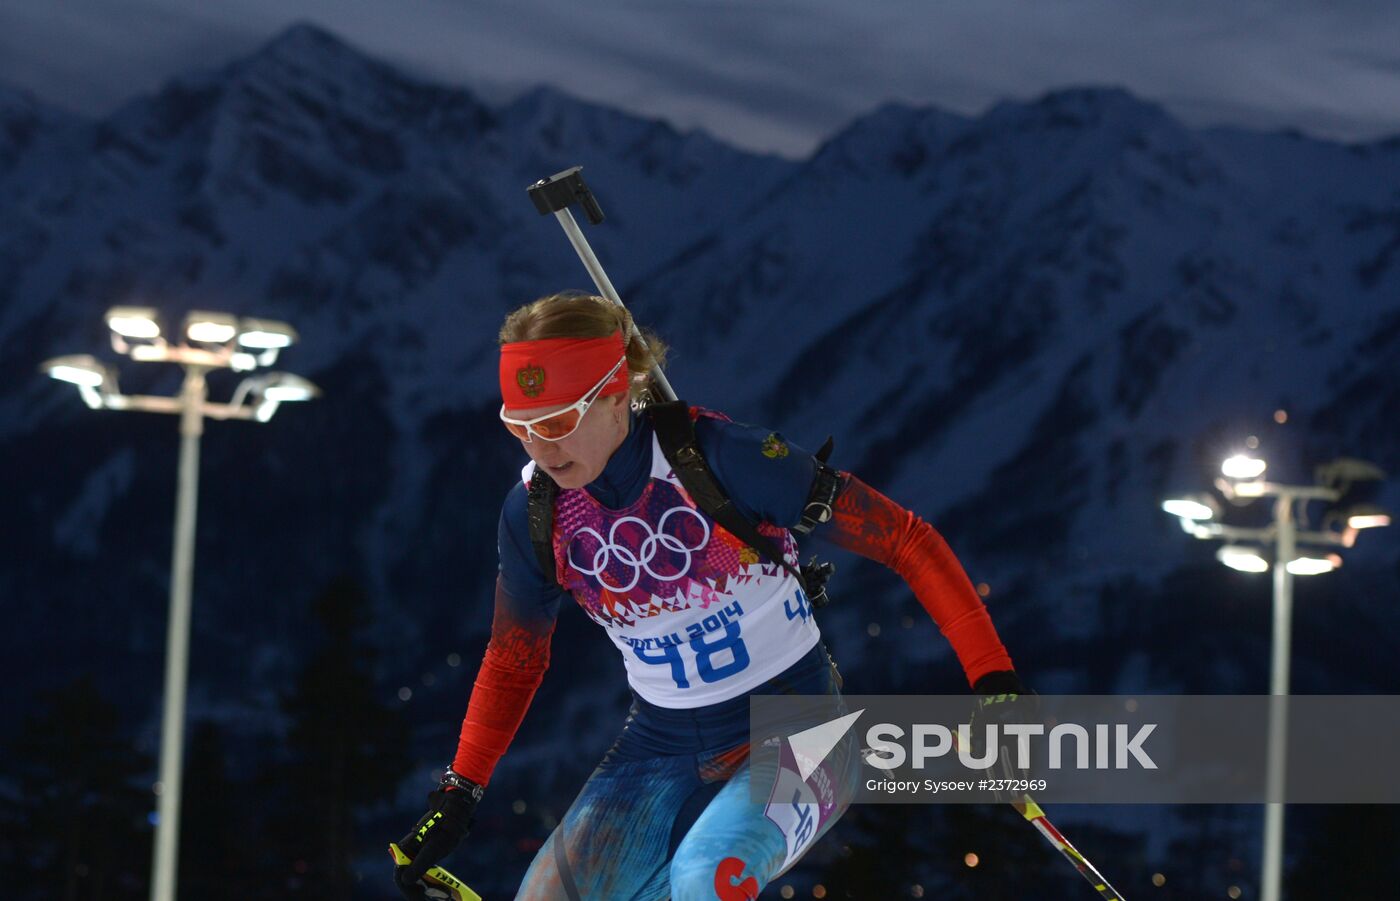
{"type": "Point", "coordinates": [210, 341]}
{"type": "Point", "coordinates": [1241, 483]}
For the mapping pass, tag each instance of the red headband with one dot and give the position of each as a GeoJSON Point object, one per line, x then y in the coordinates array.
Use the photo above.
{"type": "Point", "coordinates": [560, 370]}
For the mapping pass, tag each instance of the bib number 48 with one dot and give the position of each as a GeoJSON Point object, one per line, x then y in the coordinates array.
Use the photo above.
{"type": "Point", "coordinates": [704, 649]}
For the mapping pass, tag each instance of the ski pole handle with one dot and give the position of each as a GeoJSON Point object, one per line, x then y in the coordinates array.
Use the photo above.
{"type": "Point", "coordinates": [555, 195]}
{"type": "Point", "coordinates": [440, 882]}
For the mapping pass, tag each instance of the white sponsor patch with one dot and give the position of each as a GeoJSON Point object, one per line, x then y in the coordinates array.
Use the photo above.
{"type": "Point", "coordinates": [798, 807]}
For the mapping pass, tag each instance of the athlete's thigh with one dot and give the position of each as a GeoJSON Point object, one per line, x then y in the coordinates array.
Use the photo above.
{"type": "Point", "coordinates": [614, 842]}
{"type": "Point", "coordinates": [731, 851]}
{"type": "Point", "coordinates": [738, 844]}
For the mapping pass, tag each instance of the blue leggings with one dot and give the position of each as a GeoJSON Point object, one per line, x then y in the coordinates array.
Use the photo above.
{"type": "Point", "coordinates": [667, 813]}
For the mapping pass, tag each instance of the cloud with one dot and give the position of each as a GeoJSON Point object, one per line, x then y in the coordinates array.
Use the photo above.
{"type": "Point", "coordinates": [774, 75]}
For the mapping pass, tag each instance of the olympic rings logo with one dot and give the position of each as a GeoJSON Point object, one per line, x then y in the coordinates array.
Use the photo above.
{"type": "Point", "coordinates": [611, 549]}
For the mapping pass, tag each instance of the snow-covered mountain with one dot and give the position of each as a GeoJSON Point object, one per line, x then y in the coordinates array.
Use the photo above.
{"type": "Point", "coordinates": [1029, 326]}
{"type": "Point", "coordinates": [385, 217]}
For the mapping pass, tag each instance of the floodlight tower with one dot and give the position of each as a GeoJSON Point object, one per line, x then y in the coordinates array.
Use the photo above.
{"type": "Point", "coordinates": [1245, 550]}
{"type": "Point", "coordinates": [209, 341]}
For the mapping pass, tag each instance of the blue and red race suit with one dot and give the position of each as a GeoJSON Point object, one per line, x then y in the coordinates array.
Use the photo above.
{"type": "Point", "coordinates": [701, 623]}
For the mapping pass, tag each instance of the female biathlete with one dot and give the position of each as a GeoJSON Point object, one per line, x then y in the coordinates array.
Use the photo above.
{"type": "Point", "coordinates": [701, 620]}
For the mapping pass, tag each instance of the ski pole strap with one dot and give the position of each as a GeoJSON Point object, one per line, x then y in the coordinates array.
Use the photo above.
{"type": "Point", "coordinates": [675, 432]}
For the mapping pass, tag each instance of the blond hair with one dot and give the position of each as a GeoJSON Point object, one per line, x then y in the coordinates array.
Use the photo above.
{"type": "Point", "coordinates": [575, 314]}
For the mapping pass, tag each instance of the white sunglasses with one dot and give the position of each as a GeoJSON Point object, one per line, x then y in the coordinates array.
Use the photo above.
{"type": "Point", "coordinates": [560, 424]}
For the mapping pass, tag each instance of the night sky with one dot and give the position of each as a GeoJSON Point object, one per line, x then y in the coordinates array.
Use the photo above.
{"type": "Point", "coordinates": [775, 75]}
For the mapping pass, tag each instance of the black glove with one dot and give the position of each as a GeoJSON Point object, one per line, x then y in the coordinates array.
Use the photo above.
{"type": "Point", "coordinates": [1002, 700]}
{"type": "Point", "coordinates": [447, 822]}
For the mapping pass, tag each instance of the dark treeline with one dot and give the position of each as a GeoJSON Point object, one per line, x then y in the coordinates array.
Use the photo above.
{"type": "Point", "coordinates": [76, 804]}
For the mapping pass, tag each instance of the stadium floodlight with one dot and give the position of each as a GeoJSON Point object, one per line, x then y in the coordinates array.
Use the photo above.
{"type": "Point", "coordinates": [134, 322]}
{"type": "Point", "coordinates": [1192, 507]}
{"type": "Point", "coordinates": [79, 369]}
{"type": "Point", "coordinates": [1314, 566]}
{"type": "Point", "coordinates": [266, 392]}
{"type": "Point", "coordinates": [261, 339]}
{"type": "Point", "coordinates": [1244, 559]}
{"type": "Point", "coordinates": [134, 329]}
{"type": "Point", "coordinates": [284, 387]}
{"type": "Point", "coordinates": [1241, 466]}
{"type": "Point", "coordinates": [86, 372]}
{"type": "Point", "coordinates": [266, 334]}
{"type": "Point", "coordinates": [1367, 516]}
{"type": "Point", "coordinates": [204, 327]}
{"type": "Point", "coordinates": [242, 362]}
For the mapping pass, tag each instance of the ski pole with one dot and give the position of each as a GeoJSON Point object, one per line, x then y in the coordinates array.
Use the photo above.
{"type": "Point", "coordinates": [441, 884]}
{"type": "Point", "coordinates": [555, 195]}
{"type": "Point", "coordinates": [1036, 817]}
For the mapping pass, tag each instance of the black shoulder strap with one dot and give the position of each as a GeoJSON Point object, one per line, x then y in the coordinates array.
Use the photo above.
{"type": "Point", "coordinates": [675, 432]}
{"type": "Point", "coordinates": [821, 503]}
{"type": "Point", "coordinates": [539, 508]}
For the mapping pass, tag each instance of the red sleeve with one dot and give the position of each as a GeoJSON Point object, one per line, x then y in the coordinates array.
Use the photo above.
{"type": "Point", "coordinates": [870, 524]}
{"type": "Point", "coordinates": [516, 658]}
